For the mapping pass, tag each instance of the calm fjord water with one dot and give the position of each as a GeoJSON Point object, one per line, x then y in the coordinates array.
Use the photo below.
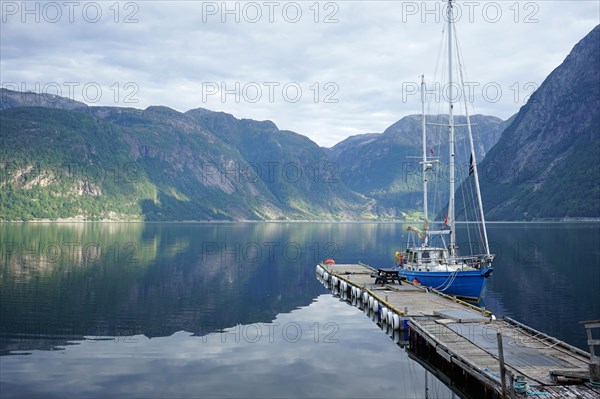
{"type": "Point", "coordinates": [235, 309]}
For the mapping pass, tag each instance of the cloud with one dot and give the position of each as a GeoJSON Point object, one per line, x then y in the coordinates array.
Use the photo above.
{"type": "Point", "coordinates": [325, 70]}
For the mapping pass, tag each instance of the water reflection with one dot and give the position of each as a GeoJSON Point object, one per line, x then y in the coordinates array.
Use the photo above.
{"type": "Point", "coordinates": [126, 279]}
{"type": "Point", "coordinates": [132, 278]}
{"type": "Point", "coordinates": [321, 350]}
{"type": "Point", "coordinates": [65, 286]}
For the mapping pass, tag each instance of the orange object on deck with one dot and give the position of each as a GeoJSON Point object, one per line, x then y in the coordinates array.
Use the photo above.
{"type": "Point", "coordinates": [330, 262]}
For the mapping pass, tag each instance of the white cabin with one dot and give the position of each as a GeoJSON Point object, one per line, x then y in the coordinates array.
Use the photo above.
{"type": "Point", "coordinates": [435, 259]}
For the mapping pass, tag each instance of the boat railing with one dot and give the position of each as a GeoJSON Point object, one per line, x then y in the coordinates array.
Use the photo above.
{"type": "Point", "coordinates": [474, 261]}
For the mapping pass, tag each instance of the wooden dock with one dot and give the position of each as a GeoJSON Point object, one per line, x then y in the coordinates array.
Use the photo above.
{"type": "Point", "coordinates": [466, 346]}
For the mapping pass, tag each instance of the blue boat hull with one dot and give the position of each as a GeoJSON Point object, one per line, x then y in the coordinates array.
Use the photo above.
{"type": "Point", "coordinates": [464, 284]}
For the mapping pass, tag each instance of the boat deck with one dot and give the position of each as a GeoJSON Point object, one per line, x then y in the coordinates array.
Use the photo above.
{"type": "Point", "coordinates": [463, 336]}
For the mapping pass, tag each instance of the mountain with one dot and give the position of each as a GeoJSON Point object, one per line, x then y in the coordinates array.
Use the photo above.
{"type": "Point", "coordinates": [386, 166]}
{"type": "Point", "coordinates": [159, 164]}
{"type": "Point", "coordinates": [291, 165]}
{"type": "Point", "coordinates": [64, 160]}
{"type": "Point", "coordinates": [545, 165]}
{"type": "Point", "coordinates": [12, 99]}
{"type": "Point", "coordinates": [61, 159]}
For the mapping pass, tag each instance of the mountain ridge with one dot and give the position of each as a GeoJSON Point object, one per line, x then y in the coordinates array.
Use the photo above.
{"type": "Point", "coordinates": [61, 160]}
{"type": "Point", "coordinates": [163, 165]}
{"type": "Point", "coordinates": [386, 166]}
{"type": "Point", "coordinates": [545, 165]}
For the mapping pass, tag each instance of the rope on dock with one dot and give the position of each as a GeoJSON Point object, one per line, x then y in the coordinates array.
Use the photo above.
{"type": "Point", "coordinates": [521, 386]}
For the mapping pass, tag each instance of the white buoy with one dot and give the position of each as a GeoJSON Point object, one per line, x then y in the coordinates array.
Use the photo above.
{"type": "Point", "coordinates": [396, 321]}
{"type": "Point", "coordinates": [375, 305]}
{"type": "Point", "coordinates": [384, 313]}
{"type": "Point", "coordinates": [390, 319]}
{"type": "Point", "coordinates": [370, 302]}
{"type": "Point", "coordinates": [365, 297]}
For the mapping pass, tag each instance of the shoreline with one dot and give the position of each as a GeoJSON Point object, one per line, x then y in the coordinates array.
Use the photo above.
{"type": "Point", "coordinates": [72, 221]}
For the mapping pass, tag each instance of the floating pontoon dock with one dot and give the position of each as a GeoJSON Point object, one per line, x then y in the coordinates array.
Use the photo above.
{"type": "Point", "coordinates": [466, 346]}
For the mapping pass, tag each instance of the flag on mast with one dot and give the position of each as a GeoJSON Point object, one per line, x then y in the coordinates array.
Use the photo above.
{"type": "Point", "coordinates": [471, 166]}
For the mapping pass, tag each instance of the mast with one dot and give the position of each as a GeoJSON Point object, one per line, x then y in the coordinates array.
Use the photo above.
{"type": "Point", "coordinates": [452, 246]}
{"type": "Point", "coordinates": [425, 164]}
{"type": "Point", "coordinates": [423, 129]}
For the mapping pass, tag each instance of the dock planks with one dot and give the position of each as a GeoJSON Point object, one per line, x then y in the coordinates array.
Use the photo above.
{"type": "Point", "coordinates": [465, 336]}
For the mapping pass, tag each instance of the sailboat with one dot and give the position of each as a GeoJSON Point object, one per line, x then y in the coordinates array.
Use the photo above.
{"type": "Point", "coordinates": [433, 260]}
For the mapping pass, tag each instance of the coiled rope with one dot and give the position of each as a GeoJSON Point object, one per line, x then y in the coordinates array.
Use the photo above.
{"type": "Point", "coordinates": [521, 386]}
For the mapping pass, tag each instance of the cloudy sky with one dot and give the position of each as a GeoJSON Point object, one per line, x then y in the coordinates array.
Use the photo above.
{"type": "Point", "coordinates": [325, 69]}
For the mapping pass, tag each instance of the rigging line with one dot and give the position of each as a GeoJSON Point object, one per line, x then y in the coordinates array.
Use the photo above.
{"type": "Point", "coordinates": [463, 210]}
{"type": "Point", "coordinates": [462, 68]}
{"type": "Point", "coordinates": [438, 130]}
{"type": "Point", "coordinates": [481, 226]}
{"type": "Point", "coordinates": [437, 64]}
{"type": "Point", "coordinates": [443, 241]}
{"type": "Point", "coordinates": [434, 133]}
{"type": "Point", "coordinates": [473, 195]}
{"type": "Point", "coordinates": [439, 52]}
{"type": "Point", "coordinates": [476, 216]}
{"type": "Point", "coordinates": [468, 189]}
{"type": "Point", "coordinates": [462, 191]}
{"type": "Point", "coordinates": [471, 182]}
{"type": "Point", "coordinates": [465, 187]}
{"type": "Point", "coordinates": [462, 188]}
